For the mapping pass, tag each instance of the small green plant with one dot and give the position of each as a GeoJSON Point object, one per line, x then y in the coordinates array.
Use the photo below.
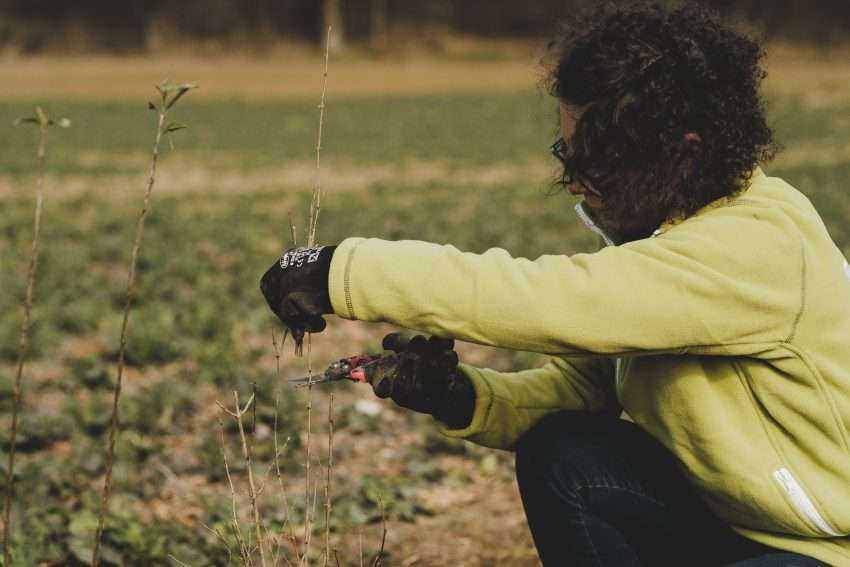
{"type": "Point", "coordinates": [43, 121]}
{"type": "Point", "coordinates": [169, 96]}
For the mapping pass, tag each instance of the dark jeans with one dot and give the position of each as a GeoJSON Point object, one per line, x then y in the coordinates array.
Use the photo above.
{"type": "Point", "coordinates": [600, 491]}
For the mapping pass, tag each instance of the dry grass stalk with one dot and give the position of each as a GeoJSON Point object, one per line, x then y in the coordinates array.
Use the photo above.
{"type": "Point", "coordinates": [293, 232]}
{"type": "Point", "coordinates": [169, 95]}
{"type": "Point", "coordinates": [379, 558]}
{"type": "Point", "coordinates": [246, 454]}
{"type": "Point", "coordinates": [305, 560]}
{"type": "Point", "coordinates": [328, 483]}
{"type": "Point", "coordinates": [177, 561]}
{"type": "Point", "coordinates": [316, 204]}
{"type": "Point", "coordinates": [316, 201]}
{"type": "Point", "coordinates": [253, 414]}
{"type": "Point", "coordinates": [315, 207]}
{"type": "Point", "coordinates": [308, 519]}
{"type": "Point", "coordinates": [43, 122]}
{"type": "Point", "coordinates": [244, 553]}
{"type": "Point", "coordinates": [220, 537]}
{"type": "Point", "coordinates": [278, 348]}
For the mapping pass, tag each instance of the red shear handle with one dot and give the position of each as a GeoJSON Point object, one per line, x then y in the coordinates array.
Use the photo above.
{"type": "Point", "coordinates": [358, 373]}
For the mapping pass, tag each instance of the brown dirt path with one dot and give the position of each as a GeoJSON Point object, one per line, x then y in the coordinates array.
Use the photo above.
{"type": "Point", "coordinates": [819, 77]}
{"type": "Point", "coordinates": [113, 78]}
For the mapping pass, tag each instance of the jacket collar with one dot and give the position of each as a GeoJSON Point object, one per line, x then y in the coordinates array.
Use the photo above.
{"type": "Point", "coordinates": [673, 219]}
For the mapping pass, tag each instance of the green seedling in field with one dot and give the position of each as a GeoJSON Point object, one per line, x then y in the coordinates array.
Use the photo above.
{"type": "Point", "coordinates": [43, 121]}
{"type": "Point", "coordinates": [169, 96]}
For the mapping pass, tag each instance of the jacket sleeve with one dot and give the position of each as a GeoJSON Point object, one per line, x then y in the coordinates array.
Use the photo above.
{"type": "Point", "coordinates": [730, 284]}
{"type": "Point", "coordinates": [508, 404]}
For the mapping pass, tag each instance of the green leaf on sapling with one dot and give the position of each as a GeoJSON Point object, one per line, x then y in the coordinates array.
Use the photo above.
{"type": "Point", "coordinates": [181, 90]}
{"type": "Point", "coordinates": [27, 120]}
{"type": "Point", "coordinates": [174, 127]}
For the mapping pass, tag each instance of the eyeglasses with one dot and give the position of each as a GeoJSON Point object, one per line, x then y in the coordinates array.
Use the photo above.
{"type": "Point", "coordinates": [559, 150]}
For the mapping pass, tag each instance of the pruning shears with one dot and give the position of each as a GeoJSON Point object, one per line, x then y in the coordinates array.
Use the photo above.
{"type": "Point", "coordinates": [352, 368]}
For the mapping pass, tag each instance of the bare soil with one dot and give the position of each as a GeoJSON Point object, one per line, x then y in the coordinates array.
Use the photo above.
{"type": "Point", "coordinates": [819, 76]}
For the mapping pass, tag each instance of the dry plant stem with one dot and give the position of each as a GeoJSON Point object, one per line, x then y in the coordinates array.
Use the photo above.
{"type": "Point", "coordinates": [277, 453]}
{"type": "Point", "coordinates": [379, 559]}
{"type": "Point", "coordinates": [316, 204]}
{"type": "Point", "coordinates": [254, 412]}
{"type": "Point", "coordinates": [161, 130]}
{"type": "Point", "coordinates": [224, 542]}
{"type": "Point", "coordinates": [252, 490]}
{"type": "Point", "coordinates": [311, 505]}
{"type": "Point", "coordinates": [328, 483]}
{"type": "Point", "coordinates": [237, 530]}
{"type": "Point", "coordinates": [23, 347]}
{"type": "Point", "coordinates": [131, 284]}
{"type": "Point", "coordinates": [177, 560]}
{"type": "Point", "coordinates": [307, 514]}
{"type": "Point", "coordinates": [315, 207]}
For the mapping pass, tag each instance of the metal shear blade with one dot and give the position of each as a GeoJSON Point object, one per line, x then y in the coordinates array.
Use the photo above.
{"type": "Point", "coordinates": [340, 370]}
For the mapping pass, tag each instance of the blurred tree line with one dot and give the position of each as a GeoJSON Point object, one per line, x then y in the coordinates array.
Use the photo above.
{"type": "Point", "coordinates": [31, 26]}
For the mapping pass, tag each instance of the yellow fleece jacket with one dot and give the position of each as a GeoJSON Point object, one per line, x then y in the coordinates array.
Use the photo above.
{"type": "Point", "coordinates": [732, 328]}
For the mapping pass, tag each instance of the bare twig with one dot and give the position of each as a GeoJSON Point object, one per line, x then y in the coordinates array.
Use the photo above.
{"type": "Point", "coordinates": [316, 204]}
{"type": "Point", "coordinates": [177, 561]}
{"type": "Point", "coordinates": [309, 456]}
{"type": "Point", "coordinates": [262, 484]}
{"type": "Point", "coordinates": [328, 483]}
{"type": "Point", "coordinates": [253, 413]}
{"type": "Point", "coordinates": [316, 201]}
{"type": "Point", "coordinates": [379, 558]}
{"type": "Point", "coordinates": [246, 453]}
{"type": "Point", "coordinates": [234, 501]}
{"type": "Point", "coordinates": [293, 232]}
{"type": "Point", "coordinates": [221, 538]}
{"type": "Point", "coordinates": [315, 207]}
{"type": "Point", "coordinates": [305, 559]}
{"type": "Point", "coordinates": [43, 122]}
{"type": "Point", "coordinates": [169, 95]}
{"type": "Point", "coordinates": [278, 348]}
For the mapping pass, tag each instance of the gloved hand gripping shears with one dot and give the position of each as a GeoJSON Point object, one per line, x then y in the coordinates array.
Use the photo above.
{"type": "Point", "coordinates": [416, 372]}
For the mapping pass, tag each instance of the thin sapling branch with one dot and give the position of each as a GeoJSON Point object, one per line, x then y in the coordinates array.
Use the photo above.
{"type": "Point", "coordinates": [43, 121]}
{"type": "Point", "coordinates": [169, 95]}
{"type": "Point", "coordinates": [246, 454]}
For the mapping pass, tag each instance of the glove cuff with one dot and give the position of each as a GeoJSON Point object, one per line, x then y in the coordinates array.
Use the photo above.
{"type": "Point", "coordinates": [325, 258]}
{"type": "Point", "coordinates": [458, 404]}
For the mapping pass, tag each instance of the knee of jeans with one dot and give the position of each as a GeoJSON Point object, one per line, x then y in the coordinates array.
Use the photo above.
{"type": "Point", "coordinates": [554, 447]}
{"type": "Point", "coordinates": [564, 448]}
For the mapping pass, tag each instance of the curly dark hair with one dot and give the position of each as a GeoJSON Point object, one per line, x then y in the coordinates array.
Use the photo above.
{"type": "Point", "coordinates": [642, 78]}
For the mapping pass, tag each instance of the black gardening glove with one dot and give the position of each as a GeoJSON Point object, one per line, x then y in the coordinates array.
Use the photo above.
{"type": "Point", "coordinates": [296, 289]}
{"type": "Point", "coordinates": [421, 374]}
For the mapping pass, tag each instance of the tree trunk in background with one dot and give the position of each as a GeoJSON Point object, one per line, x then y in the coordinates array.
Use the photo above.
{"type": "Point", "coordinates": [30, 26]}
{"type": "Point", "coordinates": [332, 17]}
{"type": "Point", "coordinates": [378, 25]}
{"type": "Point", "coordinates": [265, 18]}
